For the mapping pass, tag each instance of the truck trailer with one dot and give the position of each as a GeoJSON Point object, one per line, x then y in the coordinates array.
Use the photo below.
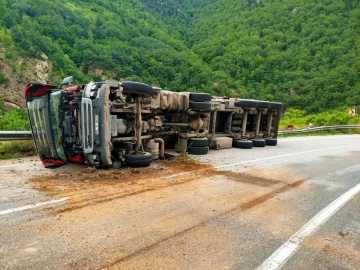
{"type": "Point", "coordinates": [124, 123]}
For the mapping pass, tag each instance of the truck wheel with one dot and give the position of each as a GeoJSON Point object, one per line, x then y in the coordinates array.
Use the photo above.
{"type": "Point", "coordinates": [263, 104]}
{"type": "Point", "coordinates": [199, 97]}
{"type": "Point", "coordinates": [138, 160]}
{"type": "Point", "coordinates": [137, 88]}
{"type": "Point", "coordinates": [200, 106]}
{"type": "Point", "coordinates": [259, 142]}
{"type": "Point", "coordinates": [271, 141]}
{"type": "Point", "coordinates": [198, 150]}
{"type": "Point", "coordinates": [198, 142]}
{"type": "Point", "coordinates": [104, 116]}
{"type": "Point", "coordinates": [275, 105]}
{"type": "Point", "coordinates": [246, 103]}
{"type": "Point", "coordinates": [112, 83]}
{"type": "Point", "coordinates": [242, 144]}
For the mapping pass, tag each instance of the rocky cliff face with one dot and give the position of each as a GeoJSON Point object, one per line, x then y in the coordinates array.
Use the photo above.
{"type": "Point", "coordinates": [18, 73]}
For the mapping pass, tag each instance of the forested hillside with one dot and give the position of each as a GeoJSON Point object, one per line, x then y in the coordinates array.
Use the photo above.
{"type": "Point", "coordinates": [304, 53]}
{"type": "Point", "coordinates": [116, 39]}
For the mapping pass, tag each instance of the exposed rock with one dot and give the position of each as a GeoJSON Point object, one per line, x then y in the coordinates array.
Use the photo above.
{"type": "Point", "coordinates": [19, 73]}
{"type": "Point", "coordinates": [9, 105]}
{"type": "Point", "coordinates": [42, 70]}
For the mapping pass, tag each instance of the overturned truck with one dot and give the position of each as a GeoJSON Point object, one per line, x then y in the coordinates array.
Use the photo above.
{"type": "Point", "coordinates": [127, 123]}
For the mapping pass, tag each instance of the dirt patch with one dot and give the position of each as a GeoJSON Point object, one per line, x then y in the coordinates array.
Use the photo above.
{"type": "Point", "coordinates": [334, 252]}
{"type": "Point", "coordinates": [270, 195]}
{"type": "Point", "coordinates": [240, 207]}
{"type": "Point", "coordinates": [248, 179]}
{"type": "Point", "coordinates": [90, 186]}
{"type": "Point", "coordinates": [93, 176]}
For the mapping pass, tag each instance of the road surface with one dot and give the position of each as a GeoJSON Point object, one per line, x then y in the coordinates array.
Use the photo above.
{"type": "Point", "coordinates": [294, 206]}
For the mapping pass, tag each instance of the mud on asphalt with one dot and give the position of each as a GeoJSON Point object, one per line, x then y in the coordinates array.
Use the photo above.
{"type": "Point", "coordinates": [89, 186]}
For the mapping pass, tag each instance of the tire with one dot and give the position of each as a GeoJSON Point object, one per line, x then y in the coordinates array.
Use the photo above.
{"type": "Point", "coordinates": [275, 105]}
{"type": "Point", "coordinates": [271, 141]}
{"type": "Point", "coordinates": [137, 88]}
{"type": "Point", "coordinates": [200, 97]}
{"type": "Point", "coordinates": [263, 104]}
{"type": "Point", "coordinates": [200, 106]}
{"type": "Point", "coordinates": [246, 103]}
{"type": "Point", "coordinates": [198, 142]}
{"type": "Point", "coordinates": [138, 160]}
{"type": "Point", "coordinates": [112, 83]}
{"type": "Point", "coordinates": [104, 116]}
{"type": "Point", "coordinates": [259, 142]}
{"type": "Point", "coordinates": [198, 150]}
{"type": "Point", "coordinates": [242, 144]}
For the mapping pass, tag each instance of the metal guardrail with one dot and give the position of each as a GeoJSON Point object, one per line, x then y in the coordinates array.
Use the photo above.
{"type": "Point", "coordinates": [27, 135]}
{"type": "Point", "coordinates": [15, 135]}
{"type": "Point", "coordinates": [318, 129]}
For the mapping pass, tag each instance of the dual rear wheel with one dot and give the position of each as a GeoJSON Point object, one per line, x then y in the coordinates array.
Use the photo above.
{"type": "Point", "coordinates": [248, 144]}
{"type": "Point", "coordinates": [198, 146]}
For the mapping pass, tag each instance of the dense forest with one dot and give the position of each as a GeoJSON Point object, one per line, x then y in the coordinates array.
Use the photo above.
{"type": "Point", "coordinates": [304, 53]}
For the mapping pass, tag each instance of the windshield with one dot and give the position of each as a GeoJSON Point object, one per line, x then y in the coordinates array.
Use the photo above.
{"type": "Point", "coordinates": [47, 137]}
{"type": "Point", "coordinates": [55, 102]}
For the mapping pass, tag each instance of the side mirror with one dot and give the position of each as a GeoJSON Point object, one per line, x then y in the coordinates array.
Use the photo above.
{"type": "Point", "coordinates": [67, 81]}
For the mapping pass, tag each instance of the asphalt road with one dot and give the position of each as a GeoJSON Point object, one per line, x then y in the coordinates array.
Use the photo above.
{"type": "Point", "coordinates": [257, 207]}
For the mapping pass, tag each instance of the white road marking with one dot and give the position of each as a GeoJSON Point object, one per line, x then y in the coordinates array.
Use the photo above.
{"type": "Point", "coordinates": [280, 156]}
{"type": "Point", "coordinates": [280, 140]}
{"type": "Point", "coordinates": [280, 256]}
{"type": "Point", "coordinates": [318, 138]}
{"type": "Point", "coordinates": [19, 164]}
{"type": "Point", "coordinates": [26, 207]}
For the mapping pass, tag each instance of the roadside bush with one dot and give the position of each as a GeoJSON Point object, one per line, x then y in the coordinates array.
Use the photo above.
{"type": "Point", "coordinates": [300, 119]}
{"type": "Point", "coordinates": [15, 119]}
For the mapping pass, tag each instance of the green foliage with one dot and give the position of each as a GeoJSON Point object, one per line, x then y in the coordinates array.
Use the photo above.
{"type": "Point", "coordinates": [2, 108]}
{"type": "Point", "coordinates": [304, 54]}
{"type": "Point", "coordinates": [15, 119]}
{"type": "Point", "coordinates": [102, 39]}
{"type": "Point", "coordinates": [3, 79]}
{"type": "Point", "coordinates": [300, 119]}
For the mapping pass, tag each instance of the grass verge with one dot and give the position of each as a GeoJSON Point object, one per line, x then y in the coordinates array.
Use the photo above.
{"type": "Point", "coordinates": [15, 149]}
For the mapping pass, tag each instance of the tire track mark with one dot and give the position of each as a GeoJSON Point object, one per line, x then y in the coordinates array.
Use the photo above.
{"type": "Point", "coordinates": [243, 207]}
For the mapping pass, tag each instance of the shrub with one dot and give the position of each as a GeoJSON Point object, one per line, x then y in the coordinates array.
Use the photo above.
{"type": "Point", "coordinates": [15, 119]}
{"type": "Point", "coordinates": [3, 79]}
{"type": "Point", "coordinates": [300, 119]}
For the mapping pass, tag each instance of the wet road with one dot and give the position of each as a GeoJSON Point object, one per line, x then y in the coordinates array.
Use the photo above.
{"type": "Point", "coordinates": [239, 215]}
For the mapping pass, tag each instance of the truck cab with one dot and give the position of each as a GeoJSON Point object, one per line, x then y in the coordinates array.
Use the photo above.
{"type": "Point", "coordinates": [111, 123]}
